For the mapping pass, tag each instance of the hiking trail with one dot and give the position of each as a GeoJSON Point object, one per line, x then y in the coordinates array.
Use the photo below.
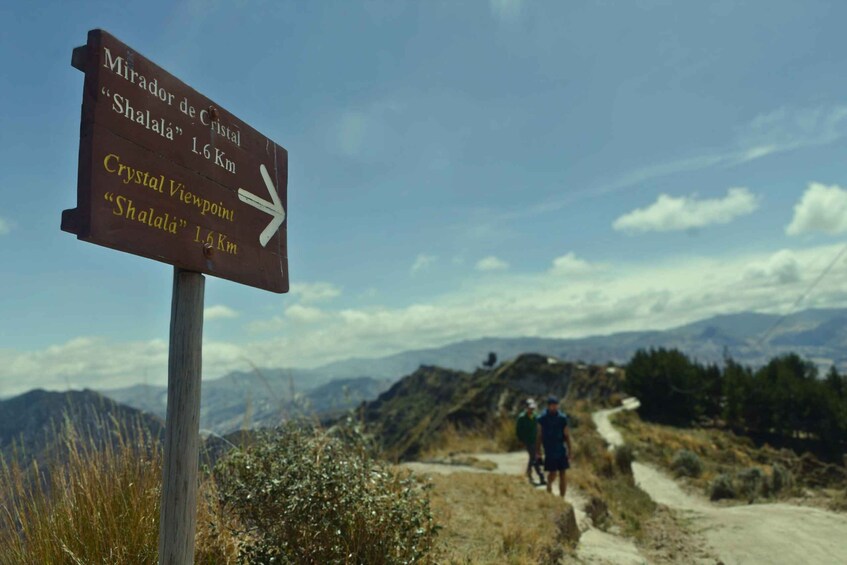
{"type": "Point", "coordinates": [773, 533]}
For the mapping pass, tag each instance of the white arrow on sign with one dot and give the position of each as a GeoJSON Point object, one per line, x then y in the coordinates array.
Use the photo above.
{"type": "Point", "coordinates": [273, 208]}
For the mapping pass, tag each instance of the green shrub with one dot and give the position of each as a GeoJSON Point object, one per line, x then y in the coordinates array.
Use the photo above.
{"type": "Point", "coordinates": [686, 463]}
{"type": "Point", "coordinates": [307, 496]}
{"type": "Point", "coordinates": [598, 511]}
{"type": "Point", "coordinates": [751, 482]}
{"type": "Point", "coordinates": [722, 487]}
{"type": "Point", "coordinates": [781, 479]}
{"type": "Point", "coordinates": [574, 421]}
{"type": "Point", "coordinates": [624, 456]}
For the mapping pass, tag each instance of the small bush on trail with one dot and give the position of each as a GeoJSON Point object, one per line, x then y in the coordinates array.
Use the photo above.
{"type": "Point", "coordinates": [624, 456]}
{"type": "Point", "coordinates": [751, 482]}
{"type": "Point", "coordinates": [598, 511]}
{"type": "Point", "coordinates": [781, 479]}
{"type": "Point", "coordinates": [722, 488]}
{"type": "Point", "coordinates": [567, 527]}
{"type": "Point", "coordinates": [306, 496]}
{"type": "Point", "coordinates": [687, 464]}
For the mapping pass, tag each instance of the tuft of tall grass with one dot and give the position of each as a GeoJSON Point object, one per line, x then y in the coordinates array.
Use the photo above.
{"type": "Point", "coordinates": [496, 519]}
{"type": "Point", "coordinates": [607, 477]}
{"type": "Point", "coordinates": [96, 503]}
{"type": "Point", "coordinates": [498, 437]}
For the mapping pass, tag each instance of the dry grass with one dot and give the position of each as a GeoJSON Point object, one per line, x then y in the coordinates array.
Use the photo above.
{"type": "Point", "coordinates": [720, 451]}
{"type": "Point", "coordinates": [489, 518]}
{"type": "Point", "coordinates": [839, 501]}
{"type": "Point", "coordinates": [100, 505]}
{"type": "Point", "coordinates": [500, 438]}
{"type": "Point", "coordinates": [599, 475]}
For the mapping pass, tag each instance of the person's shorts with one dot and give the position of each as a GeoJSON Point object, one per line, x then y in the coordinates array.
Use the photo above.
{"type": "Point", "coordinates": [556, 463]}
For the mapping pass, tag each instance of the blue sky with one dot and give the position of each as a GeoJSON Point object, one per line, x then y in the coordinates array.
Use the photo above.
{"type": "Point", "coordinates": [457, 170]}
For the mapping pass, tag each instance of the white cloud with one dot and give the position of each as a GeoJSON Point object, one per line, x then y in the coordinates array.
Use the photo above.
{"type": "Point", "coordinates": [305, 314]}
{"type": "Point", "coordinates": [570, 264]}
{"type": "Point", "coordinates": [780, 268]}
{"type": "Point", "coordinates": [772, 133]}
{"type": "Point", "coordinates": [422, 261]}
{"type": "Point", "coordinates": [758, 152]}
{"type": "Point", "coordinates": [219, 312]}
{"type": "Point", "coordinates": [5, 226]}
{"type": "Point", "coordinates": [274, 324]}
{"type": "Point", "coordinates": [315, 292]}
{"type": "Point", "coordinates": [491, 263]}
{"type": "Point", "coordinates": [671, 213]}
{"type": "Point", "coordinates": [89, 360]}
{"type": "Point", "coordinates": [506, 10]}
{"type": "Point", "coordinates": [101, 364]}
{"type": "Point", "coordinates": [822, 208]}
{"type": "Point", "coordinates": [308, 293]}
{"type": "Point", "coordinates": [788, 129]}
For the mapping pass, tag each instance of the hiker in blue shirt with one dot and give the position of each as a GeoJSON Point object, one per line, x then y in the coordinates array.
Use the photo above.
{"type": "Point", "coordinates": [554, 436]}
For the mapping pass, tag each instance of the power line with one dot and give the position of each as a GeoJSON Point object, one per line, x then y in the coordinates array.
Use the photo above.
{"type": "Point", "coordinates": [802, 297]}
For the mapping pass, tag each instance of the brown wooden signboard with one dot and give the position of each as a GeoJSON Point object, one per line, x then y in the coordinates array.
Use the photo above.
{"type": "Point", "coordinates": [167, 174]}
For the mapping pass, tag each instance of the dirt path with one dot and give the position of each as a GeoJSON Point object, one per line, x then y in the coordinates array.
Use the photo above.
{"type": "Point", "coordinates": [595, 546]}
{"type": "Point", "coordinates": [756, 533]}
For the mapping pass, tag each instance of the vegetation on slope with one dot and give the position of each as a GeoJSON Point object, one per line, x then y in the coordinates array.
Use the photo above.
{"type": "Point", "coordinates": [732, 466]}
{"type": "Point", "coordinates": [99, 504]}
{"type": "Point", "coordinates": [299, 495]}
{"type": "Point", "coordinates": [783, 402]}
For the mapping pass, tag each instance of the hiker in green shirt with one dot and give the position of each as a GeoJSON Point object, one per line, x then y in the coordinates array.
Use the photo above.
{"type": "Point", "coordinates": [527, 430]}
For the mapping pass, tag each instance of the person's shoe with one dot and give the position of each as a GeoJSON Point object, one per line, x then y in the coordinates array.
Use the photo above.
{"type": "Point", "coordinates": [543, 482]}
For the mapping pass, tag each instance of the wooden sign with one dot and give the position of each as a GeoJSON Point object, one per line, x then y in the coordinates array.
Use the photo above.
{"type": "Point", "coordinates": [167, 174]}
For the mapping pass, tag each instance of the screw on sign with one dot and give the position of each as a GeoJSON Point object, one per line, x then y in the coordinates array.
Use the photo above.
{"type": "Point", "coordinates": [167, 174]}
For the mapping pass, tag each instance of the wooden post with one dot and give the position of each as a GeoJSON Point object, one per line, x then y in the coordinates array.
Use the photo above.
{"type": "Point", "coordinates": [178, 516]}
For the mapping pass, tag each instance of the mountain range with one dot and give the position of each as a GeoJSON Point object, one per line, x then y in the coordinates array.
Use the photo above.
{"type": "Point", "coordinates": [266, 396]}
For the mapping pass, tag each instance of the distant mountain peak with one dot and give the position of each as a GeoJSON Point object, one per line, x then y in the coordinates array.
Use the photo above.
{"type": "Point", "coordinates": [30, 421]}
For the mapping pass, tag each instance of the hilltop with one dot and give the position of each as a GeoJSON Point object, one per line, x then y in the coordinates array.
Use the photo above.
{"type": "Point", "coordinates": [418, 410]}
{"type": "Point", "coordinates": [29, 422]}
